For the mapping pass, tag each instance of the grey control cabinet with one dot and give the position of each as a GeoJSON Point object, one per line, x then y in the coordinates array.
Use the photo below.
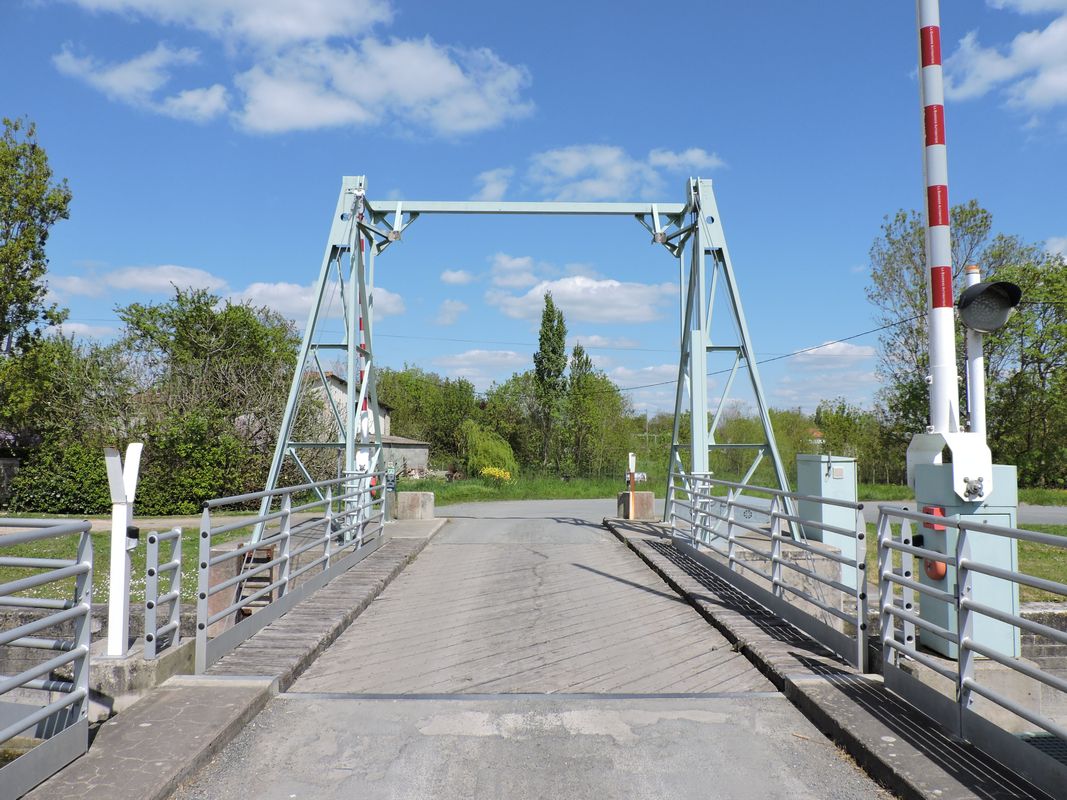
{"type": "Point", "coordinates": [832, 477]}
{"type": "Point", "coordinates": [933, 489]}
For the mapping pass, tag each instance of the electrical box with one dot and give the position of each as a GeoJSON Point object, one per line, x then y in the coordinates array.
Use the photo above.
{"type": "Point", "coordinates": [833, 477]}
{"type": "Point", "coordinates": [933, 490]}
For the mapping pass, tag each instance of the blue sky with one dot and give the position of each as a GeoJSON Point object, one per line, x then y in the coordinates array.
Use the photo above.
{"type": "Point", "coordinates": [205, 140]}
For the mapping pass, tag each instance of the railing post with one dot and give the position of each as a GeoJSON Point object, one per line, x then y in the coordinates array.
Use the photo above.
{"type": "Point", "coordinates": [907, 569]}
{"type": "Point", "coordinates": [83, 596]}
{"type": "Point", "coordinates": [861, 589]}
{"type": "Point", "coordinates": [203, 587]}
{"type": "Point", "coordinates": [328, 545]}
{"type": "Point", "coordinates": [151, 594]}
{"type": "Point", "coordinates": [964, 625]}
{"type": "Point", "coordinates": [176, 587]}
{"type": "Point", "coordinates": [885, 590]}
{"type": "Point", "coordinates": [286, 532]}
{"type": "Point", "coordinates": [731, 536]}
{"type": "Point", "coordinates": [776, 550]}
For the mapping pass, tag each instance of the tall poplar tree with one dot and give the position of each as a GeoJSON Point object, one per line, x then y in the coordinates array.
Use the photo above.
{"type": "Point", "coordinates": [550, 362]}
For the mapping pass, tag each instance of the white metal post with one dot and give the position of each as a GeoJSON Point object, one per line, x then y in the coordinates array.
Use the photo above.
{"type": "Point", "coordinates": [122, 481]}
{"type": "Point", "coordinates": [944, 390]}
{"type": "Point", "coordinates": [975, 367]}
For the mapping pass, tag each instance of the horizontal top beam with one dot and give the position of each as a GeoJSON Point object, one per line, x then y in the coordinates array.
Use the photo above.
{"type": "Point", "coordinates": [480, 207]}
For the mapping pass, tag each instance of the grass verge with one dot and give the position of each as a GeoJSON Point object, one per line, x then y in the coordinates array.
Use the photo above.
{"type": "Point", "coordinates": [67, 547]}
{"type": "Point", "coordinates": [1039, 560]}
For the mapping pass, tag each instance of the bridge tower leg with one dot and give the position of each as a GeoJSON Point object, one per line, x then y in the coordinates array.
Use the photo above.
{"type": "Point", "coordinates": [344, 287]}
{"type": "Point", "coordinates": [710, 272]}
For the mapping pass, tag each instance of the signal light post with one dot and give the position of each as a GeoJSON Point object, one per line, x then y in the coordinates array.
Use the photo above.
{"type": "Point", "coordinates": [969, 486]}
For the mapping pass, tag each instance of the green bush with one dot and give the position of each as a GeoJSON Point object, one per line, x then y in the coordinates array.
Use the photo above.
{"type": "Point", "coordinates": [189, 460]}
{"type": "Point", "coordinates": [484, 449]}
{"type": "Point", "coordinates": [62, 479]}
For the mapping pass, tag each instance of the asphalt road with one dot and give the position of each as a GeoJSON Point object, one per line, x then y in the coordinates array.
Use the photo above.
{"type": "Point", "coordinates": [528, 654]}
{"type": "Point", "coordinates": [1028, 514]}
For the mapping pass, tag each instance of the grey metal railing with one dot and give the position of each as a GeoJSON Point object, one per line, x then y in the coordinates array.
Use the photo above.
{"type": "Point", "coordinates": [903, 625]}
{"type": "Point", "coordinates": [159, 638]}
{"type": "Point", "coordinates": [62, 587]}
{"type": "Point", "coordinates": [803, 586]}
{"type": "Point", "coordinates": [288, 559]}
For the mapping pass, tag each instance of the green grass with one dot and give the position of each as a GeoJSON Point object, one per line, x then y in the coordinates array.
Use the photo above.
{"type": "Point", "coordinates": [67, 546]}
{"type": "Point", "coordinates": [521, 488]}
{"type": "Point", "coordinates": [1039, 560]}
{"type": "Point", "coordinates": [884, 492]}
{"type": "Point", "coordinates": [1043, 497]}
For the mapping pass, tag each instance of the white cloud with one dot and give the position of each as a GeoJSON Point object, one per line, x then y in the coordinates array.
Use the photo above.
{"type": "Point", "coordinates": [443, 89]}
{"type": "Point", "coordinates": [836, 354]}
{"type": "Point", "coordinates": [456, 277]}
{"type": "Point", "coordinates": [593, 341]}
{"type": "Point", "coordinates": [493, 183]}
{"type": "Point", "coordinates": [197, 105]}
{"type": "Point", "coordinates": [805, 390]}
{"type": "Point", "coordinates": [307, 66]}
{"type": "Point", "coordinates": [640, 376]}
{"type": "Point", "coordinates": [162, 279]}
{"type": "Point", "coordinates": [589, 300]}
{"type": "Point", "coordinates": [1057, 244]}
{"type": "Point", "coordinates": [1031, 69]}
{"type": "Point", "coordinates": [137, 81]}
{"type": "Point", "coordinates": [74, 285]}
{"type": "Point", "coordinates": [591, 172]}
{"type": "Point", "coordinates": [262, 23]}
{"type": "Point", "coordinates": [608, 172]}
{"type": "Point", "coordinates": [692, 160]}
{"type": "Point", "coordinates": [83, 330]}
{"type": "Point", "coordinates": [513, 272]}
{"type": "Point", "coordinates": [482, 367]}
{"type": "Point", "coordinates": [1029, 6]}
{"type": "Point", "coordinates": [450, 311]}
{"type": "Point", "coordinates": [294, 300]}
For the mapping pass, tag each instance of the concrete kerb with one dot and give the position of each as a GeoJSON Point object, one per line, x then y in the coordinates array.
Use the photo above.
{"type": "Point", "coordinates": [162, 740]}
{"type": "Point", "coordinates": [895, 744]}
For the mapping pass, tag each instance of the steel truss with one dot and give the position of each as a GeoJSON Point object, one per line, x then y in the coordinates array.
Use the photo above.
{"type": "Point", "coordinates": [362, 229]}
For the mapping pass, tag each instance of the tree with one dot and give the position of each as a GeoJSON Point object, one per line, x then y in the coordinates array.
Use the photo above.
{"type": "Point", "coordinates": [898, 293]}
{"type": "Point", "coordinates": [30, 204]}
{"type": "Point", "coordinates": [1027, 368]}
{"type": "Point", "coordinates": [511, 410]}
{"type": "Point", "coordinates": [426, 406]}
{"type": "Point", "coordinates": [550, 362]}
{"type": "Point", "coordinates": [1025, 361]}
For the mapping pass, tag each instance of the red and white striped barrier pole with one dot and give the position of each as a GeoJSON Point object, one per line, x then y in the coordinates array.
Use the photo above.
{"type": "Point", "coordinates": [944, 389]}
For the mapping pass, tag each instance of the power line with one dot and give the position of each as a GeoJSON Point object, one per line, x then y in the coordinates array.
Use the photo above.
{"type": "Point", "coordinates": [786, 355]}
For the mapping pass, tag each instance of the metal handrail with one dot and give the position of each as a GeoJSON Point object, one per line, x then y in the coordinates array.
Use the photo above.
{"type": "Point", "coordinates": [231, 607]}
{"type": "Point", "coordinates": [959, 597]}
{"type": "Point", "coordinates": [161, 638]}
{"type": "Point", "coordinates": [713, 521]}
{"type": "Point", "coordinates": [829, 501]}
{"type": "Point", "coordinates": [63, 720]}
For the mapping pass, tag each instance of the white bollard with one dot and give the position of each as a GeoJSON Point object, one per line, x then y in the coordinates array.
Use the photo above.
{"type": "Point", "coordinates": [122, 480]}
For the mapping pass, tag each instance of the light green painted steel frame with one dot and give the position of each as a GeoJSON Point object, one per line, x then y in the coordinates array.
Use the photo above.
{"type": "Point", "coordinates": [707, 243]}
{"type": "Point", "coordinates": [689, 231]}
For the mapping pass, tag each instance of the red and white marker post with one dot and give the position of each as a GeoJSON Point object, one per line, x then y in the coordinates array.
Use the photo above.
{"type": "Point", "coordinates": [944, 389]}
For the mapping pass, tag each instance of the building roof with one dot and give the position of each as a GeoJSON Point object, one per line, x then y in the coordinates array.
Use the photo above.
{"type": "Point", "coordinates": [403, 442]}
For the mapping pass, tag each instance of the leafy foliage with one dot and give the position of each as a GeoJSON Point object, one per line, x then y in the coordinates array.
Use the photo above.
{"type": "Point", "coordinates": [550, 362]}
{"type": "Point", "coordinates": [484, 449]}
{"type": "Point", "coordinates": [30, 204]}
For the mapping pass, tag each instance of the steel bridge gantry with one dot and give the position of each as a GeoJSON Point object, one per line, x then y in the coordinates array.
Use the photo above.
{"type": "Point", "coordinates": [361, 229]}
